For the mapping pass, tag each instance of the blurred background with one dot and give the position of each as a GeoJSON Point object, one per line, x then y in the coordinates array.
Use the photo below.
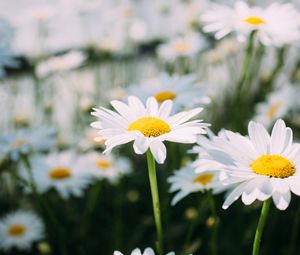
{"type": "Point", "coordinates": [61, 58]}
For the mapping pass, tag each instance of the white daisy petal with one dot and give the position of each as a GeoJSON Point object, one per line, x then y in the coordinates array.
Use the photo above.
{"type": "Point", "coordinates": [259, 137]}
{"type": "Point", "coordinates": [282, 200]}
{"type": "Point", "coordinates": [159, 151]}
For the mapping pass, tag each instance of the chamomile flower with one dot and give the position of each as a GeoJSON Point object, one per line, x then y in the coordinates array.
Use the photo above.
{"type": "Point", "coordinates": [260, 166]}
{"type": "Point", "coordinates": [186, 181]}
{"type": "Point", "coordinates": [277, 24]}
{"type": "Point", "coordinates": [65, 172]}
{"type": "Point", "coordinates": [277, 105]}
{"type": "Point", "coordinates": [180, 89]}
{"type": "Point", "coordinates": [107, 167]}
{"type": "Point", "coordinates": [147, 126]}
{"type": "Point", "coordinates": [20, 230]}
{"type": "Point", "coordinates": [25, 141]}
{"type": "Point", "coordinates": [181, 46]}
{"type": "Point", "coordinates": [137, 251]}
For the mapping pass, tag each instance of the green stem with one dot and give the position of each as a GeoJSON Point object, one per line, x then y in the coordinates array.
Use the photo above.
{"type": "Point", "coordinates": [260, 227]}
{"type": "Point", "coordinates": [155, 201]}
{"type": "Point", "coordinates": [214, 243]}
{"type": "Point", "coordinates": [246, 64]}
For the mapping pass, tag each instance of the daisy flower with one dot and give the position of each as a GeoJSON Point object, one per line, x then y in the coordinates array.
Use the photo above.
{"type": "Point", "coordinates": [137, 251]}
{"type": "Point", "coordinates": [277, 105]}
{"type": "Point", "coordinates": [260, 166]}
{"type": "Point", "coordinates": [25, 141]}
{"type": "Point", "coordinates": [180, 89]}
{"type": "Point", "coordinates": [181, 46]}
{"type": "Point", "coordinates": [65, 172]}
{"type": "Point", "coordinates": [277, 24]}
{"type": "Point", "coordinates": [147, 126]}
{"type": "Point", "coordinates": [20, 229]}
{"type": "Point", "coordinates": [107, 167]}
{"type": "Point", "coordinates": [186, 181]}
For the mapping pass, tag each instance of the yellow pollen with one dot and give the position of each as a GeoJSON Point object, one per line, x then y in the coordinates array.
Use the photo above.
{"type": "Point", "coordinates": [16, 230]}
{"type": "Point", "coordinates": [60, 173]}
{"type": "Point", "coordinates": [273, 166]}
{"type": "Point", "coordinates": [164, 95]}
{"type": "Point", "coordinates": [181, 47]}
{"type": "Point", "coordinates": [254, 20]}
{"type": "Point", "coordinates": [203, 179]}
{"type": "Point", "coordinates": [102, 163]}
{"type": "Point", "coordinates": [273, 110]}
{"type": "Point", "coordinates": [150, 126]}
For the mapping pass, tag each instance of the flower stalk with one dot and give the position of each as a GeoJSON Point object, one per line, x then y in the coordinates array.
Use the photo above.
{"type": "Point", "coordinates": [155, 201]}
{"type": "Point", "coordinates": [260, 227]}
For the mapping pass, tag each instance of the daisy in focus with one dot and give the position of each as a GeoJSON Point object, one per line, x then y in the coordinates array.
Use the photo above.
{"type": "Point", "coordinates": [65, 172]}
{"type": "Point", "coordinates": [147, 126]}
{"type": "Point", "coordinates": [137, 251]}
{"type": "Point", "coordinates": [108, 167]}
{"type": "Point", "coordinates": [20, 230]}
{"type": "Point", "coordinates": [186, 181]}
{"type": "Point", "coordinates": [25, 141]}
{"type": "Point", "coordinates": [260, 166]}
{"type": "Point", "coordinates": [179, 89]}
{"type": "Point", "coordinates": [181, 46]}
{"type": "Point", "coordinates": [277, 24]}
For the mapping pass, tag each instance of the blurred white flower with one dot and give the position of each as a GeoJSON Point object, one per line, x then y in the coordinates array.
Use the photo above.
{"type": "Point", "coordinates": [186, 181]}
{"type": "Point", "coordinates": [108, 167]}
{"type": "Point", "coordinates": [20, 230]}
{"type": "Point", "coordinates": [277, 105]}
{"type": "Point", "coordinates": [65, 172]}
{"type": "Point", "coordinates": [25, 141]}
{"type": "Point", "coordinates": [277, 24]}
{"type": "Point", "coordinates": [182, 46]}
{"type": "Point", "coordinates": [182, 90]}
{"type": "Point", "coordinates": [65, 62]}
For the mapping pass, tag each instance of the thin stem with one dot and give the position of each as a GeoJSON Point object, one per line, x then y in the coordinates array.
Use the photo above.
{"type": "Point", "coordinates": [246, 64]}
{"type": "Point", "coordinates": [155, 201]}
{"type": "Point", "coordinates": [260, 227]}
{"type": "Point", "coordinates": [214, 243]}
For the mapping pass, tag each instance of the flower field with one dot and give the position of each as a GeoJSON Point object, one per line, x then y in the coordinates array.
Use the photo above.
{"type": "Point", "coordinates": [149, 127]}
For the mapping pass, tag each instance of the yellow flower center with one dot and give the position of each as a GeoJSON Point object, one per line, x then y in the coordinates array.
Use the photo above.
{"type": "Point", "coordinates": [60, 173]}
{"type": "Point", "coordinates": [150, 126]}
{"type": "Point", "coordinates": [181, 47]}
{"type": "Point", "coordinates": [16, 230]}
{"type": "Point", "coordinates": [203, 179]}
{"type": "Point", "coordinates": [252, 20]}
{"type": "Point", "coordinates": [273, 166]}
{"type": "Point", "coordinates": [164, 95]}
{"type": "Point", "coordinates": [103, 163]}
{"type": "Point", "coordinates": [273, 110]}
